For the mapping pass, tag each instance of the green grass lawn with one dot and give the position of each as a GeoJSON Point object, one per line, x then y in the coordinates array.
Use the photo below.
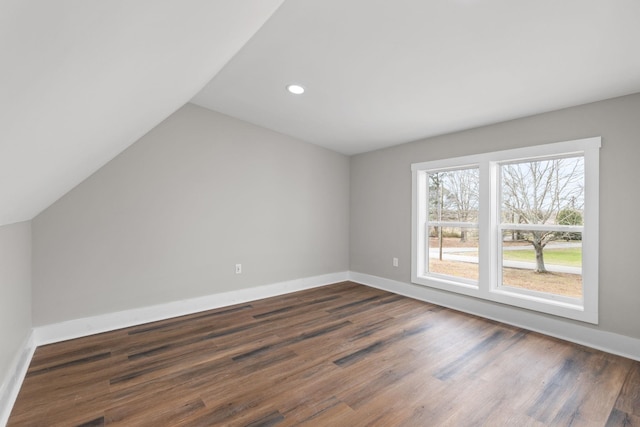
{"type": "Point", "coordinates": [571, 257]}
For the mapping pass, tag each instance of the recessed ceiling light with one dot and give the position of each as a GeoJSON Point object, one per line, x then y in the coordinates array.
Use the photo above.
{"type": "Point", "coordinates": [295, 89]}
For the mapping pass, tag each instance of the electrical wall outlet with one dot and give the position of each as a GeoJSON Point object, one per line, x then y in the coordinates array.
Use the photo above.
{"type": "Point", "coordinates": [395, 262]}
{"type": "Point", "coordinates": [238, 268]}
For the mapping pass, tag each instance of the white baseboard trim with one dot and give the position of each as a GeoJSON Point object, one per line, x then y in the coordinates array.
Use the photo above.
{"type": "Point", "coordinates": [11, 385]}
{"type": "Point", "coordinates": [566, 330]}
{"type": "Point", "coordinates": [77, 328]}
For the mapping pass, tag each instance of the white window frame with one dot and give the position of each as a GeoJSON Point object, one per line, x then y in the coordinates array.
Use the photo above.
{"type": "Point", "coordinates": [488, 286]}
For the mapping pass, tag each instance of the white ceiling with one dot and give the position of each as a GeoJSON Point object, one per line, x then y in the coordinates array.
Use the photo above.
{"type": "Point", "coordinates": [83, 79]}
{"type": "Point", "coordinates": [381, 72]}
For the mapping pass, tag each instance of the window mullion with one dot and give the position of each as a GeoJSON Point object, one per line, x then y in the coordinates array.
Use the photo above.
{"type": "Point", "coordinates": [485, 224]}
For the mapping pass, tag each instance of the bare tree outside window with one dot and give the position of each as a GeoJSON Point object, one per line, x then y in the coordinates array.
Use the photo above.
{"type": "Point", "coordinates": [538, 192]}
{"type": "Point", "coordinates": [462, 196]}
{"type": "Point", "coordinates": [453, 202]}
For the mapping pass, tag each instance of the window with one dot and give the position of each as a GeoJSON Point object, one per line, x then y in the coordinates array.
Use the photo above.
{"type": "Point", "coordinates": [452, 224]}
{"type": "Point", "coordinates": [518, 227]}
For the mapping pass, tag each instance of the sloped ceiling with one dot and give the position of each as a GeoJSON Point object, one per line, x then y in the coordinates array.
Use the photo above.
{"type": "Point", "coordinates": [380, 73]}
{"type": "Point", "coordinates": [83, 79]}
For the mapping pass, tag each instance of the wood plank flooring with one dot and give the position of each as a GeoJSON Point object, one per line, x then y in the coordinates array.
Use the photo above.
{"type": "Point", "coordinates": [340, 355]}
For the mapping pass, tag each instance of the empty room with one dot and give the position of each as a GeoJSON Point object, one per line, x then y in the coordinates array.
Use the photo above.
{"type": "Point", "coordinates": [320, 213]}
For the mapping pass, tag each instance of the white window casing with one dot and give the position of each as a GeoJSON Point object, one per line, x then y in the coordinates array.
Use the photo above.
{"type": "Point", "coordinates": [488, 285]}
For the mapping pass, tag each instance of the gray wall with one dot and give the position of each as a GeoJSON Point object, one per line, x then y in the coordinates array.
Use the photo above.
{"type": "Point", "coordinates": [15, 294]}
{"type": "Point", "coordinates": [170, 217]}
{"type": "Point", "coordinates": [381, 195]}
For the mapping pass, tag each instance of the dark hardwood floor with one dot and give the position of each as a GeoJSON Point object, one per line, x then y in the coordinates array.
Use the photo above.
{"type": "Point", "coordinates": [341, 355]}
